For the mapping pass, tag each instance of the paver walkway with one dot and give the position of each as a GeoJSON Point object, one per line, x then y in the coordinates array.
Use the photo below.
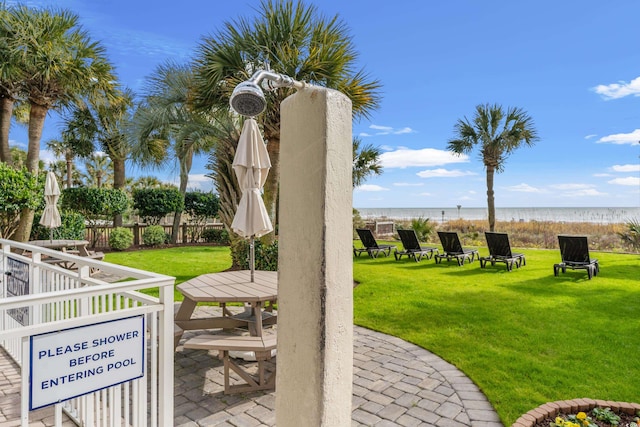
{"type": "Point", "coordinates": [395, 384]}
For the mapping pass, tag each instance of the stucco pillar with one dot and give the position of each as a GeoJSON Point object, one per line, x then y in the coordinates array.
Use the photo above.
{"type": "Point", "coordinates": [315, 264]}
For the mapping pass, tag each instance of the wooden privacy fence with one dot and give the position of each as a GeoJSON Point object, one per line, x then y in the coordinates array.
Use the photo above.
{"type": "Point", "coordinates": [98, 235]}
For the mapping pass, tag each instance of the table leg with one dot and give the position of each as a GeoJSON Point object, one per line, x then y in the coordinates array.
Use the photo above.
{"type": "Point", "coordinates": [257, 312]}
{"type": "Point", "coordinates": [184, 313]}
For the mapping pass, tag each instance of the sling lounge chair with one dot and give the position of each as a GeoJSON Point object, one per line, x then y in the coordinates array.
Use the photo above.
{"type": "Point", "coordinates": [370, 245]}
{"type": "Point", "coordinates": [574, 251]}
{"type": "Point", "coordinates": [500, 251]}
{"type": "Point", "coordinates": [453, 248]}
{"type": "Point", "coordinates": [412, 248]}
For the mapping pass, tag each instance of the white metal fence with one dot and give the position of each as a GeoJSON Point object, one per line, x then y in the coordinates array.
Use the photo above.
{"type": "Point", "coordinates": [40, 297]}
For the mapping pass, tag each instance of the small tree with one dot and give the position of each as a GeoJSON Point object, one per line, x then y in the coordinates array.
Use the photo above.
{"type": "Point", "coordinates": [200, 206]}
{"type": "Point", "coordinates": [18, 190]}
{"type": "Point", "coordinates": [632, 235]}
{"type": "Point", "coordinates": [153, 204]}
{"type": "Point", "coordinates": [95, 204]}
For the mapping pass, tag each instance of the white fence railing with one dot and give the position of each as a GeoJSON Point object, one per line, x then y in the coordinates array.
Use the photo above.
{"type": "Point", "coordinates": [39, 297]}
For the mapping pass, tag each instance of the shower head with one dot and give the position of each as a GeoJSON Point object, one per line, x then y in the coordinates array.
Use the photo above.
{"type": "Point", "coordinates": [247, 99]}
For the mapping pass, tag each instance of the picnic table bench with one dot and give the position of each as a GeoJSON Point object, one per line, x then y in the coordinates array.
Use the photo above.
{"type": "Point", "coordinates": [262, 346]}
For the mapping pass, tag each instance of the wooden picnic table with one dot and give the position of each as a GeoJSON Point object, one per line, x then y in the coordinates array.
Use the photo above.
{"type": "Point", "coordinates": [64, 245]}
{"type": "Point", "coordinates": [228, 287]}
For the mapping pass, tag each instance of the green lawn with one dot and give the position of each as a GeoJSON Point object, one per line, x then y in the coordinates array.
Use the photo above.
{"type": "Point", "coordinates": [525, 337]}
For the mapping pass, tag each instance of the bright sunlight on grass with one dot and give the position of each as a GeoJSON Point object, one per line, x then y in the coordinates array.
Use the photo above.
{"type": "Point", "coordinates": [183, 263]}
{"type": "Point", "coordinates": [524, 337]}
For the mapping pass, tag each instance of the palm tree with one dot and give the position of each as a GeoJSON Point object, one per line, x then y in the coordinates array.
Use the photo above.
{"type": "Point", "coordinates": [498, 134]}
{"type": "Point", "coordinates": [366, 162]}
{"type": "Point", "coordinates": [58, 63]}
{"type": "Point", "coordinates": [9, 79]}
{"type": "Point", "coordinates": [99, 171]}
{"type": "Point", "coordinates": [166, 123]}
{"type": "Point", "coordinates": [299, 42]}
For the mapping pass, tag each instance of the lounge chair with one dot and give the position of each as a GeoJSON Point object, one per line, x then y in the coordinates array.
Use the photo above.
{"type": "Point", "coordinates": [412, 248]}
{"type": "Point", "coordinates": [453, 249]}
{"type": "Point", "coordinates": [574, 251]}
{"type": "Point", "coordinates": [370, 245]}
{"type": "Point", "coordinates": [500, 251]}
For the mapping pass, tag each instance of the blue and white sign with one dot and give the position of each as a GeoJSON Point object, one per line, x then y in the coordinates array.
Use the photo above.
{"type": "Point", "coordinates": [77, 361]}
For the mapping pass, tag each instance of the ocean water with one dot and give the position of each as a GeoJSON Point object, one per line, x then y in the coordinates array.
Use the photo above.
{"type": "Point", "coordinates": [594, 215]}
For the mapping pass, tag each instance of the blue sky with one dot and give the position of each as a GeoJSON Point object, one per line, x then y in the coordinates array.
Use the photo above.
{"type": "Point", "coordinates": [574, 67]}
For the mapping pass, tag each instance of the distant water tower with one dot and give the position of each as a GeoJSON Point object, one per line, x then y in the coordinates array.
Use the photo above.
{"type": "Point", "coordinates": [459, 206]}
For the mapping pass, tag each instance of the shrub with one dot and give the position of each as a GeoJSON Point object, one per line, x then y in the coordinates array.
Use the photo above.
{"type": "Point", "coordinates": [423, 228]}
{"type": "Point", "coordinates": [266, 255]}
{"type": "Point", "coordinates": [213, 235]}
{"type": "Point", "coordinates": [19, 189]}
{"type": "Point", "coordinates": [631, 236]}
{"type": "Point", "coordinates": [154, 203]}
{"type": "Point", "coordinates": [154, 235]}
{"type": "Point", "coordinates": [72, 227]}
{"type": "Point", "coordinates": [120, 238]}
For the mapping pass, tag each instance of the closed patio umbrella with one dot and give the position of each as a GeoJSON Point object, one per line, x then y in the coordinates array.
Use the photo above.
{"type": "Point", "coordinates": [251, 165]}
{"type": "Point", "coordinates": [51, 216]}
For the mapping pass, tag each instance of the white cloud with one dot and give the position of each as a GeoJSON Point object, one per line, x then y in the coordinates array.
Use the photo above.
{"type": "Point", "coordinates": [626, 168]}
{"type": "Point", "coordinates": [371, 187]}
{"type": "Point", "coordinates": [426, 194]}
{"type": "Point", "coordinates": [584, 192]}
{"type": "Point", "coordinates": [622, 138]}
{"type": "Point", "coordinates": [387, 130]}
{"type": "Point", "coordinates": [630, 180]}
{"type": "Point", "coordinates": [571, 186]}
{"type": "Point", "coordinates": [386, 148]}
{"type": "Point", "coordinates": [619, 90]}
{"type": "Point", "coordinates": [523, 188]}
{"type": "Point", "coordinates": [405, 157]}
{"type": "Point", "coordinates": [593, 135]}
{"type": "Point", "coordinates": [443, 173]}
{"type": "Point", "coordinates": [403, 130]}
{"type": "Point", "coordinates": [47, 156]}
{"type": "Point", "coordinates": [601, 175]}
{"type": "Point", "coordinates": [408, 184]}
{"type": "Point", "coordinates": [382, 128]}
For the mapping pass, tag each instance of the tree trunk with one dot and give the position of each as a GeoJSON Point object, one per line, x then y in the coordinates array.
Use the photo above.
{"type": "Point", "coordinates": [118, 183]}
{"type": "Point", "coordinates": [69, 158]}
{"type": "Point", "coordinates": [37, 115]}
{"type": "Point", "coordinates": [6, 109]}
{"type": "Point", "coordinates": [271, 188]}
{"type": "Point", "coordinates": [490, 198]}
{"type": "Point", "coordinates": [185, 167]}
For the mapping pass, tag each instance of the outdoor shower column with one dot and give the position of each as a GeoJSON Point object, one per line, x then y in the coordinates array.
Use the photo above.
{"type": "Point", "coordinates": [315, 264]}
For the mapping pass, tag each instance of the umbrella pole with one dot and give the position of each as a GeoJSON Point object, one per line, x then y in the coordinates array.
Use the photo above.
{"type": "Point", "coordinates": [51, 234]}
{"type": "Point", "coordinates": [252, 256]}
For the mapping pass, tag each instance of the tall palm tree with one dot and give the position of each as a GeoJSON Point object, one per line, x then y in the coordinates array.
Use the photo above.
{"type": "Point", "coordinates": [366, 162]}
{"type": "Point", "coordinates": [299, 42]}
{"type": "Point", "coordinates": [9, 79]}
{"type": "Point", "coordinates": [58, 64]}
{"type": "Point", "coordinates": [497, 133]}
{"type": "Point", "coordinates": [167, 127]}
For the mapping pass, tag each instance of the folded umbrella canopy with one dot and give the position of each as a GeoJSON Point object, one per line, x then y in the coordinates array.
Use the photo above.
{"type": "Point", "coordinates": [251, 165]}
{"type": "Point", "coordinates": [50, 215]}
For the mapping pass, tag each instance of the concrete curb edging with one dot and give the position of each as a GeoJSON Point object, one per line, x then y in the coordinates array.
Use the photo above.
{"type": "Point", "coordinates": [552, 409]}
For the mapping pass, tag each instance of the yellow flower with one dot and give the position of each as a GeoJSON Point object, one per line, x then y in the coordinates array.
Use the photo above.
{"type": "Point", "coordinates": [581, 416]}
{"type": "Point", "coordinates": [559, 421]}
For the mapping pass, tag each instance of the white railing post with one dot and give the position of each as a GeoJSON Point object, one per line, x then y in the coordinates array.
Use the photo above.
{"type": "Point", "coordinates": [165, 357]}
